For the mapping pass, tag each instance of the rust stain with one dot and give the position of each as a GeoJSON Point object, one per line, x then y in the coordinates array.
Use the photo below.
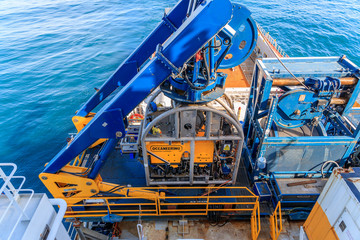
{"type": "Point", "coordinates": [354, 180]}
{"type": "Point", "coordinates": [236, 78]}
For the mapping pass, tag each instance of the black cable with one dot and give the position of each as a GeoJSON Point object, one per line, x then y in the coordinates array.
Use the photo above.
{"type": "Point", "coordinates": [221, 225]}
{"type": "Point", "coordinates": [217, 64]}
{"type": "Point", "coordinates": [281, 62]}
{"type": "Point", "coordinates": [320, 164]}
{"type": "Point", "coordinates": [116, 189]}
{"type": "Point", "coordinates": [209, 46]}
{"type": "Point", "coordinates": [192, 85]}
{"type": "Point", "coordinates": [207, 68]}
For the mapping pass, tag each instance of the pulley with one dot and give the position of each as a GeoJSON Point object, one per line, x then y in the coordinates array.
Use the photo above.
{"type": "Point", "coordinates": [243, 41]}
{"type": "Point", "coordinates": [199, 81]}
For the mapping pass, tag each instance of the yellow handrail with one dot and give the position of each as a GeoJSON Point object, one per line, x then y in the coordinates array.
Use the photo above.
{"type": "Point", "coordinates": [255, 222]}
{"type": "Point", "coordinates": [189, 205]}
{"type": "Point", "coordinates": [276, 222]}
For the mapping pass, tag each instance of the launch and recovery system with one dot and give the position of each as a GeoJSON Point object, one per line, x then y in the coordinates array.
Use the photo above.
{"type": "Point", "coordinates": [170, 143]}
{"type": "Point", "coordinates": [191, 141]}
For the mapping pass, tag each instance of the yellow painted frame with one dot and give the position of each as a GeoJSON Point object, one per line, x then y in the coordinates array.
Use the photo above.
{"type": "Point", "coordinates": [81, 122]}
{"type": "Point", "coordinates": [276, 222]}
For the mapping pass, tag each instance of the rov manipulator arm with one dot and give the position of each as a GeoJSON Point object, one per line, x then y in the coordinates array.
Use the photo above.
{"type": "Point", "coordinates": [198, 29]}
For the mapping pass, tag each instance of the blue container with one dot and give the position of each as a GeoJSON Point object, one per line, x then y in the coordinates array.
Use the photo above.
{"type": "Point", "coordinates": [263, 191]}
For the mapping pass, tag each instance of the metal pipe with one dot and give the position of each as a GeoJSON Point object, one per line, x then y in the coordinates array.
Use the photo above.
{"type": "Point", "coordinates": [279, 82]}
{"type": "Point", "coordinates": [59, 217]}
{"type": "Point", "coordinates": [211, 58]}
{"type": "Point", "coordinates": [237, 162]}
{"type": "Point", "coordinates": [339, 101]}
{"type": "Point", "coordinates": [148, 100]}
{"type": "Point", "coordinates": [326, 163]}
{"type": "Point", "coordinates": [228, 109]}
{"type": "Point", "coordinates": [232, 118]}
{"type": "Point", "coordinates": [170, 139]}
{"type": "Point", "coordinates": [192, 161]}
{"type": "Point", "coordinates": [160, 158]}
{"type": "Point", "coordinates": [228, 100]}
{"type": "Point", "coordinates": [109, 146]}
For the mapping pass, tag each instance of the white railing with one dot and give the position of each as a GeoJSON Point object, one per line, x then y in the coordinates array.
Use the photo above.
{"type": "Point", "coordinates": [59, 217]}
{"type": "Point", "coordinates": [12, 194]}
{"type": "Point", "coordinates": [271, 40]}
{"type": "Point", "coordinates": [72, 231]}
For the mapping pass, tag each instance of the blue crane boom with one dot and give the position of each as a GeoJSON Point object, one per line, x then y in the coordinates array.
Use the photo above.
{"type": "Point", "coordinates": [196, 31]}
{"type": "Point", "coordinates": [129, 68]}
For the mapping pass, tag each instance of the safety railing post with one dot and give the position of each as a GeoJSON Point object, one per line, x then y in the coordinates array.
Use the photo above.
{"type": "Point", "coordinates": [108, 206]}
{"type": "Point", "coordinates": [276, 222]}
{"type": "Point", "coordinates": [207, 202]}
{"type": "Point", "coordinates": [272, 228]}
{"type": "Point", "coordinates": [158, 206]}
{"type": "Point", "coordinates": [255, 221]}
{"type": "Point", "coordinates": [258, 216]}
{"type": "Point", "coordinates": [252, 223]}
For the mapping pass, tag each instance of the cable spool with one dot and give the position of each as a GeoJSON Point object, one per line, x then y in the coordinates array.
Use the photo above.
{"type": "Point", "coordinates": [299, 107]}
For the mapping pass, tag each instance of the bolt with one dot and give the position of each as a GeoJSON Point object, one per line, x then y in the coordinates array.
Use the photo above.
{"type": "Point", "coordinates": [44, 178]}
{"type": "Point", "coordinates": [88, 183]}
{"type": "Point", "coordinates": [118, 134]}
{"type": "Point", "coordinates": [93, 191]}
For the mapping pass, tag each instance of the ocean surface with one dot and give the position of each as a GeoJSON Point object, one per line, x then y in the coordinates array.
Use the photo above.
{"type": "Point", "coordinates": [53, 54]}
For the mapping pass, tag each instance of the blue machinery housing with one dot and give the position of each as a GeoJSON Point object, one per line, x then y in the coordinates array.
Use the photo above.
{"type": "Point", "coordinates": [297, 128]}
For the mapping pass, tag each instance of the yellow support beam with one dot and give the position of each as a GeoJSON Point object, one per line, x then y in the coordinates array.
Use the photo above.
{"type": "Point", "coordinates": [81, 122]}
{"type": "Point", "coordinates": [70, 185]}
{"type": "Point", "coordinates": [129, 191]}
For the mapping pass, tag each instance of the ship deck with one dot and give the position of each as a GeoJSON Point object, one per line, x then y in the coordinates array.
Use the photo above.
{"type": "Point", "coordinates": [123, 169]}
{"type": "Point", "coordinates": [128, 169]}
{"type": "Point", "coordinates": [201, 229]}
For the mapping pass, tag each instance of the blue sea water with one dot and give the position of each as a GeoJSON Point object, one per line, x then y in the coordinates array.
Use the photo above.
{"type": "Point", "coordinates": [54, 52]}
